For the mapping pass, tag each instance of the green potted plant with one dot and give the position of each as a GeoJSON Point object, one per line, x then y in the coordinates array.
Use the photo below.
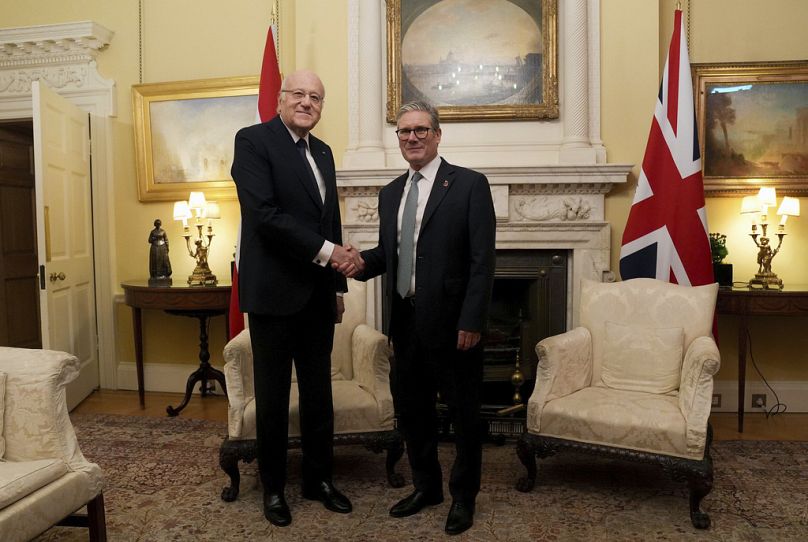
{"type": "Point", "coordinates": [718, 249]}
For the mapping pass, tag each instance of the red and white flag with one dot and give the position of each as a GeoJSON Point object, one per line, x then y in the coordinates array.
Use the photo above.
{"type": "Point", "coordinates": [666, 232]}
{"type": "Point", "coordinates": [268, 89]}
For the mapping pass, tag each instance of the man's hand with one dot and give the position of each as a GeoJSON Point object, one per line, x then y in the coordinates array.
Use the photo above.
{"type": "Point", "coordinates": [340, 309]}
{"type": "Point", "coordinates": [466, 340]}
{"type": "Point", "coordinates": [347, 260]}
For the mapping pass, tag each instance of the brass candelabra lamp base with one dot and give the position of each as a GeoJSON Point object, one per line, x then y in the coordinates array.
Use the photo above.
{"type": "Point", "coordinates": [202, 276]}
{"type": "Point", "coordinates": [766, 281]}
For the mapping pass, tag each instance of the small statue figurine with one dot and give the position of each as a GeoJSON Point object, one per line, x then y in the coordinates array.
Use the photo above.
{"type": "Point", "coordinates": [159, 264]}
{"type": "Point", "coordinates": [765, 256]}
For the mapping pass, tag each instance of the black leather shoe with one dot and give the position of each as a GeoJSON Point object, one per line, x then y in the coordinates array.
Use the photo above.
{"type": "Point", "coordinates": [460, 518]}
{"type": "Point", "coordinates": [276, 510]}
{"type": "Point", "coordinates": [326, 493]}
{"type": "Point", "coordinates": [414, 503]}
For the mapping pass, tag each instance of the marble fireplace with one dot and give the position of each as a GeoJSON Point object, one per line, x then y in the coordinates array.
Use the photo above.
{"type": "Point", "coordinates": [548, 178]}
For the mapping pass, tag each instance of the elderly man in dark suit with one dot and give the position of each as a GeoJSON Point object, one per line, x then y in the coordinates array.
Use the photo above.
{"type": "Point", "coordinates": [436, 243]}
{"type": "Point", "coordinates": [290, 233]}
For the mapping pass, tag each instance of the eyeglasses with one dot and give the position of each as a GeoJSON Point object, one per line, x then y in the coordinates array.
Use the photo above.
{"type": "Point", "coordinates": [298, 95]}
{"type": "Point", "coordinates": [420, 132]}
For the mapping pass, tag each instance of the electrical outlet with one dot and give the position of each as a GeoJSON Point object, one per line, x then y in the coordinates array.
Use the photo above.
{"type": "Point", "coordinates": [758, 400]}
{"type": "Point", "coordinates": [716, 400]}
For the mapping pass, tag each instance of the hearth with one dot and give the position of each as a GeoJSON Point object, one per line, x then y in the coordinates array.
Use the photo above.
{"type": "Point", "coordinates": [529, 303]}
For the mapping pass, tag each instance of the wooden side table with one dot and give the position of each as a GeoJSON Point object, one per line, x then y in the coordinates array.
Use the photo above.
{"type": "Point", "coordinates": [791, 301]}
{"type": "Point", "coordinates": [200, 302]}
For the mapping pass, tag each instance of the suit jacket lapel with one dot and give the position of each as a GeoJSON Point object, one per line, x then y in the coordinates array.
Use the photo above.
{"type": "Point", "coordinates": [295, 160]}
{"type": "Point", "coordinates": [443, 182]}
{"type": "Point", "coordinates": [393, 203]}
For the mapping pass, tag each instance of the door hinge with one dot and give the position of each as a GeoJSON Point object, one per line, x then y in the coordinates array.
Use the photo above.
{"type": "Point", "coordinates": [41, 277]}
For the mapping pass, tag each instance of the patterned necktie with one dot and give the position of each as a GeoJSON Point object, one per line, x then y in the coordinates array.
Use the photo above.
{"type": "Point", "coordinates": [301, 148]}
{"type": "Point", "coordinates": [407, 242]}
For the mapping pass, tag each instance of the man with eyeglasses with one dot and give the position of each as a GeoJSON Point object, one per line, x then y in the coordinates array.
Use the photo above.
{"type": "Point", "coordinates": [291, 231]}
{"type": "Point", "coordinates": [436, 244]}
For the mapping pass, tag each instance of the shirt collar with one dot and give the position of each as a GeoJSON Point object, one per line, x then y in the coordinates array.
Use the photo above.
{"type": "Point", "coordinates": [429, 171]}
{"type": "Point", "coordinates": [295, 137]}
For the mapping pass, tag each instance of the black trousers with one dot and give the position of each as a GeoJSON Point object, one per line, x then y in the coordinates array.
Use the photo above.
{"type": "Point", "coordinates": [306, 337]}
{"type": "Point", "coordinates": [419, 372]}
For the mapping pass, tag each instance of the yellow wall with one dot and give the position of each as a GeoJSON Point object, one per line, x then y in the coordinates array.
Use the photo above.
{"type": "Point", "coordinates": [196, 39]}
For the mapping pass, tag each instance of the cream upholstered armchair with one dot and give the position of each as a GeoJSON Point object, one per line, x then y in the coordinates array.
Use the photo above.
{"type": "Point", "coordinates": [44, 478]}
{"type": "Point", "coordinates": [363, 405]}
{"type": "Point", "coordinates": [634, 381]}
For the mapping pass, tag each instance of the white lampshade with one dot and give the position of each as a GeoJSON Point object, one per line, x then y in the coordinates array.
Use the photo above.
{"type": "Point", "coordinates": [196, 201]}
{"type": "Point", "coordinates": [789, 206]}
{"type": "Point", "coordinates": [750, 204]}
{"type": "Point", "coordinates": [181, 210]}
{"type": "Point", "coordinates": [212, 210]}
{"type": "Point", "coordinates": [767, 196]}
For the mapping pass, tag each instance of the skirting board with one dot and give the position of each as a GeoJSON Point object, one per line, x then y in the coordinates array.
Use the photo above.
{"type": "Point", "coordinates": [166, 377]}
{"type": "Point", "coordinates": [792, 393]}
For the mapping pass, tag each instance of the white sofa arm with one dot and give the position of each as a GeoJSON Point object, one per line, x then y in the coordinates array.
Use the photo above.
{"type": "Point", "coordinates": [370, 354]}
{"type": "Point", "coordinates": [565, 366]}
{"type": "Point", "coordinates": [238, 374]}
{"type": "Point", "coordinates": [701, 363]}
{"type": "Point", "coordinates": [36, 420]}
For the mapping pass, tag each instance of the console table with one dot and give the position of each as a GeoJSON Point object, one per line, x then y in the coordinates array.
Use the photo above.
{"type": "Point", "coordinates": [791, 301]}
{"type": "Point", "coordinates": [200, 302]}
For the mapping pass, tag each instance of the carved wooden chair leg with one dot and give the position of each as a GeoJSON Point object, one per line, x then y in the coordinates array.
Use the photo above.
{"type": "Point", "coordinates": [700, 483]}
{"type": "Point", "coordinates": [96, 519]}
{"type": "Point", "coordinates": [526, 451]}
{"type": "Point", "coordinates": [394, 452]}
{"type": "Point", "coordinates": [228, 461]}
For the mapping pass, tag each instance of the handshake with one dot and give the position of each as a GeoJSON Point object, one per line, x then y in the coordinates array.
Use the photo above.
{"type": "Point", "coordinates": [347, 260]}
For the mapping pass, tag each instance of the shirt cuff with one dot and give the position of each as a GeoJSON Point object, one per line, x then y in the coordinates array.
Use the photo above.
{"type": "Point", "coordinates": [324, 255]}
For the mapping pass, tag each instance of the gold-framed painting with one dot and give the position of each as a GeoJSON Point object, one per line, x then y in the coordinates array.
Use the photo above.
{"type": "Point", "coordinates": [753, 126]}
{"type": "Point", "coordinates": [184, 134]}
{"type": "Point", "coordinates": [476, 60]}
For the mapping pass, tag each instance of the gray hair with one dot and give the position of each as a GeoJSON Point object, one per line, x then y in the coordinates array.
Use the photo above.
{"type": "Point", "coordinates": [426, 107]}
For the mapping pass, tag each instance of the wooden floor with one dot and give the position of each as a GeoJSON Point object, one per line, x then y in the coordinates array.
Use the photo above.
{"type": "Point", "coordinates": [725, 425]}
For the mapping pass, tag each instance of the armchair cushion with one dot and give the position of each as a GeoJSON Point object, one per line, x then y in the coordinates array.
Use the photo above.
{"type": "Point", "coordinates": [624, 419]}
{"type": "Point", "coordinates": [18, 479]}
{"type": "Point", "coordinates": [2, 413]}
{"type": "Point", "coordinates": [642, 358]}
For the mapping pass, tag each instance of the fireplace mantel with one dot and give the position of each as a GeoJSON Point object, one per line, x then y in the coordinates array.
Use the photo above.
{"type": "Point", "coordinates": [537, 207]}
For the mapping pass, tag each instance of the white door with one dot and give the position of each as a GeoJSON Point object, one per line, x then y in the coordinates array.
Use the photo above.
{"type": "Point", "coordinates": [64, 234]}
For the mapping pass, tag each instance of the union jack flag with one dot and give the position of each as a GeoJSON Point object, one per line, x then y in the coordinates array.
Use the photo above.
{"type": "Point", "coordinates": [666, 232]}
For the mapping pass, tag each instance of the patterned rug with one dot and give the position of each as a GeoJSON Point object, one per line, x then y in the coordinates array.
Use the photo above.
{"type": "Point", "coordinates": [163, 483]}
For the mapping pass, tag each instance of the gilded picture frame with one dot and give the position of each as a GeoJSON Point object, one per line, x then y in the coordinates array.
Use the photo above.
{"type": "Point", "coordinates": [184, 134]}
{"type": "Point", "coordinates": [753, 126]}
{"type": "Point", "coordinates": [497, 62]}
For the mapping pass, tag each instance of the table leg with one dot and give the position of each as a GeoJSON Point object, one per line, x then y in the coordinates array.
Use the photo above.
{"type": "Point", "coordinates": [742, 347]}
{"type": "Point", "coordinates": [137, 323]}
{"type": "Point", "coordinates": [203, 373]}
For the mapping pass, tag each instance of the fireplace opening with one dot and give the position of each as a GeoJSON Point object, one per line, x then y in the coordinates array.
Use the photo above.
{"type": "Point", "coordinates": [529, 303]}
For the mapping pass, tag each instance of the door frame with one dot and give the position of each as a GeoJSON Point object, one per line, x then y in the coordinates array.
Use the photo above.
{"type": "Point", "coordinates": [72, 73]}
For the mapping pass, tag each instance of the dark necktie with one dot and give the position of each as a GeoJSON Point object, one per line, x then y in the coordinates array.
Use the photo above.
{"type": "Point", "coordinates": [301, 148]}
{"type": "Point", "coordinates": [407, 242]}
